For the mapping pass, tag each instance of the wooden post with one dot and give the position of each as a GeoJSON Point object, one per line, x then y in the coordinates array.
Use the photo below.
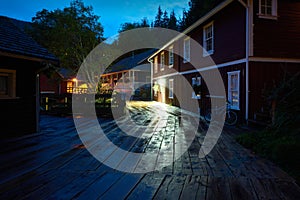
{"type": "Point", "coordinates": [47, 107]}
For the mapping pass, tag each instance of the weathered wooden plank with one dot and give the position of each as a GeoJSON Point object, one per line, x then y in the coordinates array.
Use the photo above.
{"type": "Point", "coordinates": [171, 188]}
{"type": "Point", "coordinates": [289, 189]}
{"type": "Point", "coordinates": [177, 167]}
{"type": "Point", "coordinates": [148, 186]}
{"type": "Point", "coordinates": [241, 188]}
{"type": "Point", "coordinates": [123, 187]}
{"type": "Point", "coordinates": [202, 189]}
{"type": "Point", "coordinates": [247, 159]}
{"type": "Point", "coordinates": [191, 187]}
{"type": "Point", "coordinates": [66, 174]}
{"type": "Point", "coordinates": [265, 189]}
{"type": "Point", "coordinates": [45, 190]}
{"type": "Point", "coordinates": [34, 161]}
{"type": "Point", "coordinates": [233, 162]}
{"type": "Point", "coordinates": [166, 153]}
{"type": "Point", "coordinates": [83, 181]}
{"type": "Point", "coordinates": [32, 180]}
{"type": "Point", "coordinates": [99, 186]}
{"type": "Point", "coordinates": [218, 188]}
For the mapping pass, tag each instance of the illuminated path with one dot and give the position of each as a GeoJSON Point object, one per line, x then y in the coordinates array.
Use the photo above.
{"type": "Point", "coordinates": [55, 165]}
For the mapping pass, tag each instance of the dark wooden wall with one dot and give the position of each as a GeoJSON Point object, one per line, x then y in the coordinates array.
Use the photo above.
{"type": "Point", "coordinates": [264, 77]}
{"type": "Point", "coordinates": [18, 116]}
{"type": "Point", "coordinates": [281, 37]}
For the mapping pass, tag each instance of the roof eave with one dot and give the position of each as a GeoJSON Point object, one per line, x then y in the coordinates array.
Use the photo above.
{"type": "Point", "coordinates": [28, 57]}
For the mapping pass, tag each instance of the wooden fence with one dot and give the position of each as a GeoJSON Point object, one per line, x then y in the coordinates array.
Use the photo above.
{"type": "Point", "coordinates": [62, 104]}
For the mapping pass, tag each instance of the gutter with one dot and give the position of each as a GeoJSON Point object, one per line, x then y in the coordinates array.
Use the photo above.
{"type": "Point", "coordinates": [247, 7]}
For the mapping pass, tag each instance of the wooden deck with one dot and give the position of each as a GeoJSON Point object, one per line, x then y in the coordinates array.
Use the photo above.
{"type": "Point", "coordinates": [55, 165]}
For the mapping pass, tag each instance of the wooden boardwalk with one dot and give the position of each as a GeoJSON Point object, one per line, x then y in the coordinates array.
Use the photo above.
{"type": "Point", "coordinates": [55, 165]}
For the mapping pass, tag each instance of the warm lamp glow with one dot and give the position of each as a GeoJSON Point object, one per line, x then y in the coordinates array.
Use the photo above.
{"type": "Point", "coordinates": [74, 79]}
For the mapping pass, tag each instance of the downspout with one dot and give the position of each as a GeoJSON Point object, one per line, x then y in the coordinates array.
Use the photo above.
{"type": "Point", "coordinates": [151, 79]}
{"type": "Point", "coordinates": [247, 6]}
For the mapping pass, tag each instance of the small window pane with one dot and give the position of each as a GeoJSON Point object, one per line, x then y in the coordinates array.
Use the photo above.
{"type": "Point", "coordinates": [208, 39]}
{"type": "Point", "coordinates": [3, 85]}
{"type": "Point", "coordinates": [171, 56]}
{"type": "Point", "coordinates": [233, 89]}
{"type": "Point", "coordinates": [171, 88]}
{"type": "Point", "coordinates": [162, 61]}
{"type": "Point", "coordinates": [186, 50]}
{"type": "Point", "coordinates": [155, 64]}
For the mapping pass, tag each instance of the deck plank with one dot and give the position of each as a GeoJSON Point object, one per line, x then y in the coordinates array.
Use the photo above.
{"type": "Point", "coordinates": [192, 186]}
{"type": "Point", "coordinates": [148, 186]}
{"type": "Point", "coordinates": [171, 188]}
{"type": "Point", "coordinates": [55, 164]}
{"type": "Point", "coordinates": [123, 187]}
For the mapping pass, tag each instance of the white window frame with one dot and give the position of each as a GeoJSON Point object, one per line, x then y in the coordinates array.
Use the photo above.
{"type": "Point", "coordinates": [155, 64]}
{"type": "Point", "coordinates": [171, 88]}
{"type": "Point", "coordinates": [205, 39]}
{"type": "Point", "coordinates": [263, 14]}
{"type": "Point", "coordinates": [186, 50]}
{"type": "Point", "coordinates": [11, 83]}
{"type": "Point", "coordinates": [229, 96]}
{"type": "Point", "coordinates": [171, 56]}
{"type": "Point", "coordinates": [162, 61]}
{"type": "Point", "coordinates": [196, 81]}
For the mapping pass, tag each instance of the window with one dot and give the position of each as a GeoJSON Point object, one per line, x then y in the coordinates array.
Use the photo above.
{"type": "Point", "coordinates": [234, 89]}
{"type": "Point", "coordinates": [155, 64]}
{"type": "Point", "coordinates": [196, 84]}
{"type": "Point", "coordinates": [171, 88]}
{"type": "Point", "coordinates": [162, 61]}
{"type": "Point", "coordinates": [268, 9]}
{"type": "Point", "coordinates": [186, 50]}
{"type": "Point", "coordinates": [156, 88]}
{"type": "Point", "coordinates": [7, 83]}
{"type": "Point", "coordinates": [70, 87]}
{"type": "Point", "coordinates": [171, 56]}
{"type": "Point", "coordinates": [208, 39]}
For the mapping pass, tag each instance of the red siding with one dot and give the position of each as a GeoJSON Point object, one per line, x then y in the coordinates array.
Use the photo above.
{"type": "Point", "coordinates": [48, 84]}
{"type": "Point", "coordinates": [229, 38]}
{"type": "Point", "coordinates": [281, 37]}
{"type": "Point", "coordinates": [229, 41]}
{"type": "Point", "coordinates": [263, 77]}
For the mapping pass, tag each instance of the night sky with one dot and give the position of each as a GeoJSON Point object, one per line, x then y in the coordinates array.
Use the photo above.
{"type": "Point", "coordinates": [112, 13]}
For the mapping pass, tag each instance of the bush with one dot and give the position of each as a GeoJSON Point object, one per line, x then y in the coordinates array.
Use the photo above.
{"type": "Point", "coordinates": [280, 142]}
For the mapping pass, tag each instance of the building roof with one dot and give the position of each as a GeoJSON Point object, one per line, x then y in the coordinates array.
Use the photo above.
{"type": "Point", "coordinates": [66, 73]}
{"type": "Point", "coordinates": [14, 40]}
{"type": "Point", "coordinates": [130, 62]}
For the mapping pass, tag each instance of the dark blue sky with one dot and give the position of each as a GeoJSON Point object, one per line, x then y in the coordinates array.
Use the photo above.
{"type": "Point", "coordinates": [112, 13]}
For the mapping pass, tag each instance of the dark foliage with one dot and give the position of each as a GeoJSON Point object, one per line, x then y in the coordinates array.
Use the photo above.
{"type": "Point", "coordinates": [280, 142]}
{"type": "Point", "coordinates": [70, 34]}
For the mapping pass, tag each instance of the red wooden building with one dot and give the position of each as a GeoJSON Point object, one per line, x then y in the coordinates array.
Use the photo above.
{"type": "Point", "coordinates": [62, 81]}
{"type": "Point", "coordinates": [21, 61]}
{"type": "Point", "coordinates": [252, 44]}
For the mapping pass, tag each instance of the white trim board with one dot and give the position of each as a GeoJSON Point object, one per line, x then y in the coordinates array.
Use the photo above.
{"type": "Point", "coordinates": [264, 59]}
{"type": "Point", "coordinates": [203, 69]}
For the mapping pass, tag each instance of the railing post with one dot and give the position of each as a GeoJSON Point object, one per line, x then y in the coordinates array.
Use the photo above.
{"type": "Point", "coordinates": [47, 106]}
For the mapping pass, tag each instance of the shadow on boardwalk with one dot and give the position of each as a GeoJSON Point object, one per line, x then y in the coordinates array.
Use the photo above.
{"type": "Point", "coordinates": [55, 165]}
